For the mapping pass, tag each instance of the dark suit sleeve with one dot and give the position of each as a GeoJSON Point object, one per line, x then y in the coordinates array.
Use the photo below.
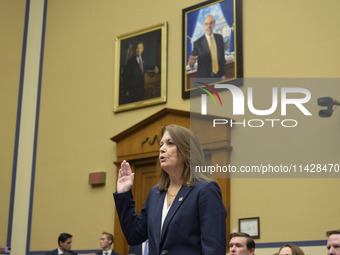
{"type": "Point", "coordinates": [127, 72]}
{"type": "Point", "coordinates": [195, 50]}
{"type": "Point", "coordinates": [134, 226]}
{"type": "Point", "coordinates": [136, 249]}
{"type": "Point", "coordinates": [212, 220]}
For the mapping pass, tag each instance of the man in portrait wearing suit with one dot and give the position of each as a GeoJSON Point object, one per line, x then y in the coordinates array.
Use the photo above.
{"type": "Point", "coordinates": [133, 75]}
{"type": "Point", "coordinates": [64, 245]}
{"type": "Point", "coordinates": [209, 52]}
{"type": "Point", "coordinates": [106, 241]}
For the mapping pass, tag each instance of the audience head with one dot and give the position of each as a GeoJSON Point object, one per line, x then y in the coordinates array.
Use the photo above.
{"type": "Point", "coordinates": [64, 242]}
{"type": "Point", "coordinates": [241, 244]}
{"type": "Point", "coordinates": [106, 240]}
{"type": "Point", "coordinates": [290, 249]}
{"type": "Point", "coordinates": [333, 242]}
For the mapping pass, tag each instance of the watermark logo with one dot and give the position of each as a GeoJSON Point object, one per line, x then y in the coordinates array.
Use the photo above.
{"type": "Point", "coordinates": [204, 97]}
{"type": "Point", "coordinates": [239, 103]}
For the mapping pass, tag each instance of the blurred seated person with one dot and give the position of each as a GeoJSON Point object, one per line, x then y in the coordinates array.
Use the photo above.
{"type": "Point", "coordinates": [290, 249]}
{"type": "Point", "coordinates": [241, 244]}
{"type": "Point", "coordinates": [106, 241]}
{"type": "Point", "coordinates": [64, 245]}
{"type": "Point", "coordinates": [333, 242]}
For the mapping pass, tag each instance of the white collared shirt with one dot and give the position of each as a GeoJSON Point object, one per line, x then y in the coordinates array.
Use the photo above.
{"type": "Point", "coordinates": [165, 210]}
{"type": "Point", "coordinates": [143, 247]}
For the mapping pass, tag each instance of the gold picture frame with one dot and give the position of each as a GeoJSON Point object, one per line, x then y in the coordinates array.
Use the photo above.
{"type": "Point", "coordinates": [141, 82]}
{"type": "Point", "coordinates": [226, 18]}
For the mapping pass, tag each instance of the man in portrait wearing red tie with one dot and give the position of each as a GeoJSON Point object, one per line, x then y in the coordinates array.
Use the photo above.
{"type": "Point", "coordinates": [133, 75]}
{"type": "Point", "coordinates": [209, 52]}
{"type": "Point", "coordinates": [106, 241]}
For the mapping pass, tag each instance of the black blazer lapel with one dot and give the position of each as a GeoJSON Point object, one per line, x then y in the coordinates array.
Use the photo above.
{"type": "Point", "coordinates": [136, 65]}
{"type": "Point", "coordinates": [157, 215]}
{"type": "Point", "coordinates": [179, 199]}
{"type": "Point", "coordinates": [205, 45]}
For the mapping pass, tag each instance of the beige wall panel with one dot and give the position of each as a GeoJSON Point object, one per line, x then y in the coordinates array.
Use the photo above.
{"type": "Point", "coordinates": [291, 38]}
{"type": "Point", "coordinates": [12, 16]}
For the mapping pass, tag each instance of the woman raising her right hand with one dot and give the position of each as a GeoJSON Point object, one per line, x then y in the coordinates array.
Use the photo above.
{"type": "Point", "coordinates": [184, 213]}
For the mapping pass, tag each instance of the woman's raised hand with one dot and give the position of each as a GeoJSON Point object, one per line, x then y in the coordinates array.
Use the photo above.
{"type": "Point", "coordinates": [125, 178]}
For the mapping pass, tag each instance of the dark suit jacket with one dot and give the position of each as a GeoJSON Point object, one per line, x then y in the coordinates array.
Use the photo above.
{"type": "Point", "coordinates": [55, 252]}
{"type": "Point", "coordinates": [133, 80]}
{"type": "Point", "coordinates": [204, 65]}
{"type": "Point", "coordinates": [195, 223]}
{"type": "Point", "coordinates": [136, 249]}
{"type": "Point", "coordinates": [112, 253]}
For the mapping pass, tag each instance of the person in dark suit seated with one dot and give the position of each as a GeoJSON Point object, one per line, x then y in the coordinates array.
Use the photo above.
{"type": "Point", "coordinates": [106, 241]}
{"type": "Point", "coordinates": [184, 214]}
{"type": "Point", "coordinates": [133, 75]}
{"type": "Point", "coordinates": [64, 245]}
{"type": "Point", "coordinates": [241, 244]}
{"type": "Point", "coordinates": [333, 242]}
{"type": "Point", "coordinates": [209, 52]}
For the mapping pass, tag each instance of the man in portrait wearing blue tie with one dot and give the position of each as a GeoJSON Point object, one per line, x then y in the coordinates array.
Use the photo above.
{"type": "Point", "coordinates": [106, 241]}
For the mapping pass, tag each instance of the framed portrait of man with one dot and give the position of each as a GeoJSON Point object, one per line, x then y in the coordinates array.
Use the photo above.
{"type": "Point", "coordinates": [140, 68]}
{"type": "Point", "coordinates": [212, 44]}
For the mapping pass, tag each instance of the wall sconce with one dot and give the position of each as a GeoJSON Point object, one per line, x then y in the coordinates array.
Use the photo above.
{"type": "Point", "coordinates": [329, 103]}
